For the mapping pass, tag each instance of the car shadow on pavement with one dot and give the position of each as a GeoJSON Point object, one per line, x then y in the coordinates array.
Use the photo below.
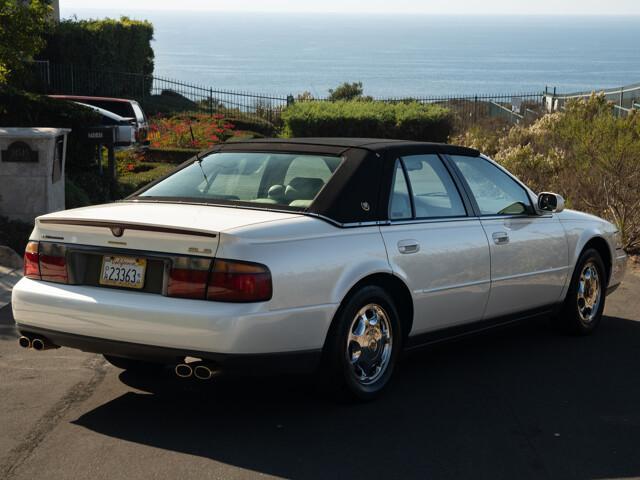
{"type": "Point", "coordinates": [523, 402]}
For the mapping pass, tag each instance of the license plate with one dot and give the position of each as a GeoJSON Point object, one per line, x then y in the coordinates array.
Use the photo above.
{"type": "Point", "coordinates": [127, 272]}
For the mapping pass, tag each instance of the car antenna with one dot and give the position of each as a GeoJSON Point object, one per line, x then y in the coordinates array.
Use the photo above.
{"type": "Point", "coordinates": [199, 160]}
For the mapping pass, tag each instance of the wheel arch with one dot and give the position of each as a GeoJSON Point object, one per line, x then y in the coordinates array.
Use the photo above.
{"type": "Point", "coordinates": [600, 245]}
{"type": "Point", "coordinates": [395, 287]}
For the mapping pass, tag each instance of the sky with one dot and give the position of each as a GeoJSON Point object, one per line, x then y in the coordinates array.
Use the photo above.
{"type": "Point", "coordinates": [446, 7]}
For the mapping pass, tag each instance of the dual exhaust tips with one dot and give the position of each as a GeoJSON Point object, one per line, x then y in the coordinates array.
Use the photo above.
{"type": "Point", "coordinates": [200, 370]}
{"type": "Point", "coordinates": [37, 343]}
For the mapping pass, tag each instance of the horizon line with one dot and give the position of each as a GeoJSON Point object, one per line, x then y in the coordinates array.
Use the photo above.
{"type": "Point", "coordinates": [348, 12]}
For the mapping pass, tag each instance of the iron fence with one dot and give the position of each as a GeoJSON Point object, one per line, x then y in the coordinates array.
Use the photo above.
{"type": "Point", "coordinates": [156, 94]}
{"type": "Point", "coordinates": [624, 99]}
{"type": "Point", "coordinates": [170, 96]}
{"type": "Point", "coordinates": [514, 108]}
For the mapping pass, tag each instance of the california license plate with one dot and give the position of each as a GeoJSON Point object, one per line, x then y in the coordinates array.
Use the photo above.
{"type": "Point", "coordinates": [127, 272]}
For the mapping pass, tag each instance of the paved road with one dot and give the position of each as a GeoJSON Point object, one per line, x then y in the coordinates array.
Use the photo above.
{"type": "Point", "coordinates": [523, 402]}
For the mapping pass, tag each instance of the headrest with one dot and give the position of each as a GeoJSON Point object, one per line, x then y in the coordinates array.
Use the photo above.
{"type": "Point", "coordinates": [303, 188]}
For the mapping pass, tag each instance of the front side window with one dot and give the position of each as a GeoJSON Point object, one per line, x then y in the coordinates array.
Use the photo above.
{"type": "Point", "coordinates": [496, 193]}
{"type": "Point", "coordinates": [273, 179]}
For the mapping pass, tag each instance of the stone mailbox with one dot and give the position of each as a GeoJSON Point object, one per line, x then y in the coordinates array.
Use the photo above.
{"type": "Point", "coordinates": [32, 162]}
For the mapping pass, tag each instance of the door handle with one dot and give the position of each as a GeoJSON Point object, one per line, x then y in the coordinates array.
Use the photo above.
{"type": "Point", "coordinates": [500, 238]}
{"type": "Point", "coordinates": [408, 246]}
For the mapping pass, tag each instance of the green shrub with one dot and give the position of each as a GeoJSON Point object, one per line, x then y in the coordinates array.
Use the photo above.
{"type": "Point", "coordinates": [584, 153]}
{"type": "Point", "coordinates": [167, 103]}
{"type": "Point", "coordinates": [122, 45]}
{"type": "Point", "coordinates": [74, 196]}
{"type": "Point", "coordinates": [346, 91]}
{"type": "Point", "coordinates": [411, 121]}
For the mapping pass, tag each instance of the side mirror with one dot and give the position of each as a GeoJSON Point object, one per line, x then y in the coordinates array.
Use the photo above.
{"type": "Point", "coordinates": [550, 202]}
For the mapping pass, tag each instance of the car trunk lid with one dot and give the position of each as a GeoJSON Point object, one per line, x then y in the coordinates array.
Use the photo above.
{"type": "Point", "coordinates": [154, 227]}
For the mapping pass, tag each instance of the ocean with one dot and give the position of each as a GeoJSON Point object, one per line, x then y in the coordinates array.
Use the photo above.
{"type": "Point", "coordinates": [392, 55]}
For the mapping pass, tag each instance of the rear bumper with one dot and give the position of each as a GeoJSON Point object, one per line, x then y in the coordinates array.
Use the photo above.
{"type": "Point", "coordinates": [176, 325]}
{"type": "Point", "coordinates": [256, 364]}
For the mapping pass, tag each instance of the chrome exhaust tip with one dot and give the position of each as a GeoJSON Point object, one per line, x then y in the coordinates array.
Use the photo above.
{"type": "Point", "coordinates": [24, 342]}
{"type": "Point", "coordinates": [183, 370]}
{"type": "Point", "coordinates": [38, 344]}
{"type": "Point", "coordinates": [203, 372]}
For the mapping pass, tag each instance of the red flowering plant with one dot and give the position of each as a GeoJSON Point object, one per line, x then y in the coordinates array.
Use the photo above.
{"type": "Point", "coordinates": [197, 131]}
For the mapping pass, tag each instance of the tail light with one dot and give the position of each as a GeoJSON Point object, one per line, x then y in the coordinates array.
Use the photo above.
{"type": "Point", "coordinates": [53, 263]}
{"type": "Point", "coordinates": [46, 261]}
{"type": "Point", "coordinates": [235, 281]}
{"type": "Point", "coordinates": [31, 261]}
{"type": "Point", "coordinates": [188, 277]}
{"type": "Point", "coordinates": [220, 281]}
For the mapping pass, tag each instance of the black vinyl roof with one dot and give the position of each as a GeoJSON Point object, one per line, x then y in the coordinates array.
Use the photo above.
{"type": "Point", "coordinates": [371, 144]}
{"type": "Point", "coordinates": [359, 190]}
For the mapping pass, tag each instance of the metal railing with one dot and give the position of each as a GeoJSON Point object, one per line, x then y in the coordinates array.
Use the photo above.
{"type": "Point", "coordinates": [514, 108]}
{"type": "Point", "coordinates": [158, 94]}
{"type": "Point", "coordinates": [170, 96]}
{"type": "Point", "coordinates": [624, 99]}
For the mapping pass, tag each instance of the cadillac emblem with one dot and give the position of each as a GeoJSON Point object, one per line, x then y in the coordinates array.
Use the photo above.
{"type": "Point", "coordinates": [117, 231]}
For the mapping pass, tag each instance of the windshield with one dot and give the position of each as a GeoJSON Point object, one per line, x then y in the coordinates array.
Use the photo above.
{"type": "Point", "coordinates": [269, 179]}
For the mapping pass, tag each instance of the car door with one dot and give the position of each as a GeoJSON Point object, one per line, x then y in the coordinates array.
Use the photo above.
{"type": "Point", "coordinates": [434, 245]}
{"type": "Point", "coordinates": [529, 252]}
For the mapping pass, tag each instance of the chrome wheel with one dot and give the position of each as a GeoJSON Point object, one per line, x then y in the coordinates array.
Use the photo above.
{"type": "Point", "coordinates": [589, 293]}
{"type": "Point", "coordinates": [369, 344]}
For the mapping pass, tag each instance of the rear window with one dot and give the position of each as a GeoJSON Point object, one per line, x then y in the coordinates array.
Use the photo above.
{"type": "Point", "coordinates": [269, 179]}
{"type": "Point", "coordinates": [124, 109]}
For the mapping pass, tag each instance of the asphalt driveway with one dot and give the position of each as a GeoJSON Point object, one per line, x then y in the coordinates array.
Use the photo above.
{"type": "Point", "coordinates": [522, 402]}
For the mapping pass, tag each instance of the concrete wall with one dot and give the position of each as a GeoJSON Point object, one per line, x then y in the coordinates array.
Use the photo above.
{"type": "Point", "coordinates": [26, 188]}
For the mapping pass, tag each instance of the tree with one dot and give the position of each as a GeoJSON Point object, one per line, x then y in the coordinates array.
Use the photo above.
{"type": "Point", "coordinates": [22, 25]}
{"type": "Point", "coordinates": [346, 91]}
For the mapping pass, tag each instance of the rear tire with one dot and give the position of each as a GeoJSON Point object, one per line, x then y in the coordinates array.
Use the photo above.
{"type": "Point", "coordinates": [363, 345]}
{"type": "Point", "coordinates": [132, 365]}
{"type": "Point", "coordinates": [584, 304]}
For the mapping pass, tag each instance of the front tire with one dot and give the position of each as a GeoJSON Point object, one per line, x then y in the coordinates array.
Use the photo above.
{"type": "Point", "coordinates": [582, 310]}
{"type": "Point", "coordinates": [364, 343]}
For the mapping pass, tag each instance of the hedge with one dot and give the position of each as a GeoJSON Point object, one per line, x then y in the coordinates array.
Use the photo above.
{"type": "Point", "coordinates": [19, 109]}
{"type": "Point", "coordinates": [375, 119]}
{"type": "Point", "coordinates": [122, 45]}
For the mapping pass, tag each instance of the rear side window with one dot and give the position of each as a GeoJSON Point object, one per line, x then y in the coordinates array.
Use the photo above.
{"type": "Point", "coordinates": [400, 204]}
{"type": "Point", "coordinates": [271, 179]}
{"type": "Point", "coordinates": [495, 192]}
{"type": "Point", "coordinates": [433, 192]}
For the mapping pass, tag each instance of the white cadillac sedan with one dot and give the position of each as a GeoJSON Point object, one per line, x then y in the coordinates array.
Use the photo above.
{"type": "Point", "coordinates": [330, 255]}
